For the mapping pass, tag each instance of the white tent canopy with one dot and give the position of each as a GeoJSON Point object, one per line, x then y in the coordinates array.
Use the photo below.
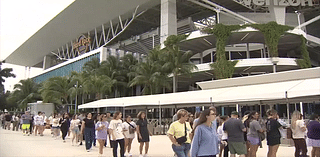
{"type": "Point", "coordinates": [297, 90]}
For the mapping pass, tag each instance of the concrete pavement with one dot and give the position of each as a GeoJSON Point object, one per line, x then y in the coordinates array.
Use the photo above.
{"type": "Point", "coordinates": [14, 144]}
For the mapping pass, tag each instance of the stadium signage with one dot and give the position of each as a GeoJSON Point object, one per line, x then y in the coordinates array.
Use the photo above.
{"type": "Point", "coordinates": [278, 2]}
{"type": "Point", "coordinates": [82, 44]}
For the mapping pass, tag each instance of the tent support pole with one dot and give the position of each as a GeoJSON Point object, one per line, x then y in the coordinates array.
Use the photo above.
{"type": "Point", "coordinates": [160, 115]}
{"type": "Point", "coordinates": [288, 107]}
{"type": "Point", "coordinates": [301, 108]}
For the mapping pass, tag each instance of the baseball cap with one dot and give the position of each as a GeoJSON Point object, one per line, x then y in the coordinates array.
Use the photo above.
{"type": "Point", "coordinates": [234, 113]}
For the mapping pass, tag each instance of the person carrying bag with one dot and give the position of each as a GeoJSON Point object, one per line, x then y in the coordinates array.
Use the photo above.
{"type": "Point", "coordinates": [179, 134]}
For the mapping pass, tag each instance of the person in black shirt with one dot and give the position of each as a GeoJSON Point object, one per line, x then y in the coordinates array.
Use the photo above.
{"type": "Point", "coordinates": [273, 133]}
{"type": "Point", "coordinates": [65, 124]}
{"type": "Point", "coordinates": [8, 118]}
{"type": "Point", "coordinates": [87, 128]}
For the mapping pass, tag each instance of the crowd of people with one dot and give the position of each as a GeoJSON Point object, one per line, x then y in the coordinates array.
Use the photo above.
{"type": "Point", "coordinates": [200, 137]}
{"type": "Point", "coordinates": [204, 135]}
{"type": "Point", "coordinates": [86, 129]}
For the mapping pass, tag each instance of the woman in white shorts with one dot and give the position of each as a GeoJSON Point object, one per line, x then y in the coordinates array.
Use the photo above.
{"type": "Point", "coordinates": [129, 128]}
{"type": "Point", "coordinates": [74, 127]}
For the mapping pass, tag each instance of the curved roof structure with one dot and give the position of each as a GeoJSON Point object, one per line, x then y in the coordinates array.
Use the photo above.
{"type": "Point", "coordinates": [77, 18]}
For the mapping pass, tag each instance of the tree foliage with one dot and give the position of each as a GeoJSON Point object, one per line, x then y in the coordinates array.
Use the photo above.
{"type": "Point", "coordinates": [222, 67]}
{"type": "Point", "coordinates": [272, 32]}
{"type": "Point", "coordinates": [5, 73]}
{"type": "Point", "coordinates": [26, 91]}
{"type": "Point", "coordinates": [305, 61]}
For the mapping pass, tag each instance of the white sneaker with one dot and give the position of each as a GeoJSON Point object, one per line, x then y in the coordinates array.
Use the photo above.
{"type": "Point", "coordinates": [88, 150]}
{"type": "Point", "coordinates": [129, 155]}
{"type": "Point", "coordinates": [140, 155]}
{"type": "Point", "coordinates": [145, 155]}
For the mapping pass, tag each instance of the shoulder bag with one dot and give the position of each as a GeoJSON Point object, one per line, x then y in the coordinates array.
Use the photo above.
{"type": "Point", "coordinates": [132, 129]}
{"type": "Point", "coordinates": [182, 139]}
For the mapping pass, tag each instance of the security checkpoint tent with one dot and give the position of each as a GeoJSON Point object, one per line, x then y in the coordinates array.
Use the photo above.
{"type": "Point", "coordinates": [303, 85]}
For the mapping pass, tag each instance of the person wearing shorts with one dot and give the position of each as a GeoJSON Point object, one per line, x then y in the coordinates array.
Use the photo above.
{"type": "Point", "coordinates": [235, 128]}
{"type": "Point", "coordinates": [273, 133]}
{"type": "Point", "coordinates": [253, 133]}
{"type": "Point", "coordinates": [26, 118]}
{"type": "Point", "coordinates": [74, 126]}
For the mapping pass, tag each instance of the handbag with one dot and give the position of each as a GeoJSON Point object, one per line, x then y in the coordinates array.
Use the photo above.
{"type": "Point", "coordinates": [182, 139]}
{"type": "Point", "coordinates": [132, 129]}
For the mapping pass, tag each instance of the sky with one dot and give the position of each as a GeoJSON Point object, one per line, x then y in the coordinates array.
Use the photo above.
{"type": "Point", "coordinates": [19, 20]}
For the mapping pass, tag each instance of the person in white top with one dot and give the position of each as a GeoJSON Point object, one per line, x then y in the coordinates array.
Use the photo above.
{"type": "Point", "coordinates": [129, 128]}
{"type": "Point", "coordinates": [55, 126]}
{"type": "Point", "coordinates": [116, 131]}
{"type": "Point", "coordinates": [298, 134]}
{"type": "Point", "coordinates": [74, 127]}
{"type": "Point", "coordinates": [223, 137]}
{"type": "Point", "coordinates": [38, 122]}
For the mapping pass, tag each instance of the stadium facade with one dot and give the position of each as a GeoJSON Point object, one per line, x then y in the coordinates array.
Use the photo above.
{"type": "Point", "coordinates": [100, 28]}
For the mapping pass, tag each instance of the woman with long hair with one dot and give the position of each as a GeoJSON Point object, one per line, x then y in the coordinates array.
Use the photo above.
{"type": "Point", "coordinates": [55, 126]}
{"type": "Point", "coordinates": [313, 135]}
{"type": "Point", "coordinates": [180, 129]}
{"type": "Point", "coordinates": [116, 131]}
{"type": "Point", "coordinates": [102, 132]}
{"type": "Point", "coordinates": [65, 124]}
{"type": "Point", "coordinates": [273, 133]}
{"type": "Point", "coordinates": [129, 129]}
{"type": "Point", "coordinates": [143, 132]}
{"type": "Point", "coordinates": [298, 134]}
{"type": "Point", "coordinates": [204, 142]}
{"type": "Point", "coordinates": [253, 133]}
{"type": "Point", "coordinates": [74, 128]}
{"type": "Point", "coordinates": [87, 128]}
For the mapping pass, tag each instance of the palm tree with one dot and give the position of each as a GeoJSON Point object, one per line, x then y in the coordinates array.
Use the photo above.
{"type": "Point", "coordinates": [92, 66]}
{"type": "Point", "coordinates": [56, 90]}
{"type": "Point", "coordinates": [113, 68]}
{"type": "Point", "coordinates": [4, 73]}
{"type": "Point", "coordinates": [128, 65]}
{"type": "Point", "coordinates": [177, 61]}
{"type": "Point", "coordinates": [26, 91]}
{"type": "Point", "coordinates": [99, 84]}
{"type": "Point", "coordinates": [147, 75]}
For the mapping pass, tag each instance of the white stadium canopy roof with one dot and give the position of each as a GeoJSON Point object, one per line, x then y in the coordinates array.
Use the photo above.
{"type": "Point", "coordinates": [306, 90]}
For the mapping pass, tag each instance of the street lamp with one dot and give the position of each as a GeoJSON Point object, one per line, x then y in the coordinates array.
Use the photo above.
{"type": "Point", "coordinates": [298, 16]}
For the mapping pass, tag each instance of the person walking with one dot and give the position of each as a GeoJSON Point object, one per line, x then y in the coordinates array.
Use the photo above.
{"type": "Point", "coordinates": [74, 127]}
{"type": "Point", "coordinates": [87, 128]}
{"type": "Point", "coordinates": [64, 126]}
{"type": "Point", "coordinates": [116, 132]}
{"type": "Point", "coordinates": [26, 120]}
{"type": "Point", "coordinates": [15, 122]}
{"type": "Point", "coordinates": [179, 134]}
{"type": "Point", "coordinates": [313, 140]}
{"type": "Point", "coordinates": [253, 133]}
{"type": "Point", "coordinates": [129, 129]}
{"type": "Point", "coordinates": [8, 118]}
{"type": "Point", "coordinates": [298, 134]}
{"type": "Point", "coordinates": [235, 128]}
{"type": "Point", "coordinates": [223, 136]}
{"type": "Point", "coordinates": [143, 133]}
{"type": "Point", "coordinates": [204, 142]}
{"type": "Point", "coordinates": [102, 132]}
{"type": "Point", "coordinates": [273, 133]}
{"type": "Point", "coordinates": [38, 120]}
{"type": "Point", "coordinates": [55, 126]}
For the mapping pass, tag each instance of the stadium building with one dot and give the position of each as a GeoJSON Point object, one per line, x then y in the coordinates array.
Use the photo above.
{"type": "Point", "coordinates": [100, 28]}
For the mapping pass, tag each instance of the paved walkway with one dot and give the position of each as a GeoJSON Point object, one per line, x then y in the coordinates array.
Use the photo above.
{"type": "Point", "coordinates": [14, 144]}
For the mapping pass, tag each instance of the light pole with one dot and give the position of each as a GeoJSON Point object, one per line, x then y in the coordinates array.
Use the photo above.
{"type": "Point", "coordinates": [75, 104]}
{"type": "Point", "coordinates": [298, 16]}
